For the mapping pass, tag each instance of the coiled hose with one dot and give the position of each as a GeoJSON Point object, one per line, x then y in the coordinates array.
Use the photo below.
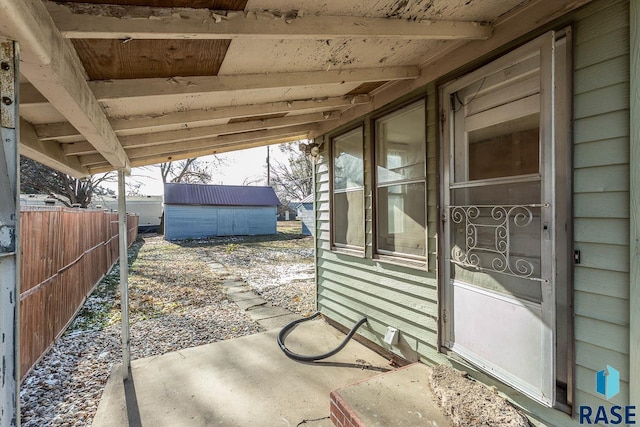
{"type": "Point", "coordinates": [284, 332]}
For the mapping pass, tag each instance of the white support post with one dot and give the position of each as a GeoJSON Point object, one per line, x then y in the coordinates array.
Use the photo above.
{"type": "Point", "coordinates": [9, 237]}
{"type": "Point", "coordinates": [124, 274]}
{"type": "Point", "coordinates": [634, 162]}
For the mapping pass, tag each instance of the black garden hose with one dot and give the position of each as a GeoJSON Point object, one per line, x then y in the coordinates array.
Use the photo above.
{"type": "Point", "coordinates": [284, 332]}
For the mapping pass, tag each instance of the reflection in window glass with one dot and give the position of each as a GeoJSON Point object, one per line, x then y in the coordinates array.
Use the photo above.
{"type": "Point", "coordinates": [401, 145]}
{"type": "Point", "coordinates": [347, 160]}
{"type": "Point", "coordinates": [401, 182]}
{"type": "Point", "coordinates": [510, 148]}
{"type": "Point", "coordinates": [402, 219]}
{"type": "Point", "coordinates": [348, 189]}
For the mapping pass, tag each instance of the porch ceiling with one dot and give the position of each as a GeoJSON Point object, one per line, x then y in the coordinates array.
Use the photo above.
{"type": "Point", "coordinates": [111, 84]}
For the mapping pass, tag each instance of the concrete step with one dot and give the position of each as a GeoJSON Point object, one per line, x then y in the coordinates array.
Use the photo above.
{"type": "Point", "coordinates": [396, 398]}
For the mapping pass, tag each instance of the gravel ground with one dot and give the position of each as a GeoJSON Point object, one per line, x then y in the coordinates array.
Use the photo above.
{"type": "Point", "coordinates": [279, 270]}
{"type": "Point", "coordinates": [176, 301]}
{"type": "Point", "coordinates": [170, 308]}
{"type": "Point", "coordinates": [471, 404]}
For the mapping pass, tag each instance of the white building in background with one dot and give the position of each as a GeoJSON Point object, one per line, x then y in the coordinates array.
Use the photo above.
{"type": "Point", "coordinates": [148, 208]}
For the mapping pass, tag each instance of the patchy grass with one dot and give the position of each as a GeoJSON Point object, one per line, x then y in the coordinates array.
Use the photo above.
{"type": "Point", "coordinates": [279, 266]}
{"type": "Point", "coordinates": [168, 278]}
{"type": "Point", "coordinates": [99, 310]}
{"type": "Point", "coordinates": [290, 227]}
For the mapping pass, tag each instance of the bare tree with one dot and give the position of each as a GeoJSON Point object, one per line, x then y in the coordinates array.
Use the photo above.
{"type": "Point", "coordinates": [133, 188]}
{"type": "Point", "coordinates": [253, 180]}
{"type": "Point", "coordinates": [292, 179]}
{"type": "Point", "coordinates": [188, 171]}
{"type": "Point", "coordinates": [36, 178]}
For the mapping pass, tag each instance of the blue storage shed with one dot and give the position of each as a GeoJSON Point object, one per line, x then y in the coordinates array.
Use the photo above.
{"type": "Point", "coordinates": [305, 213]}
{"type": "Point", "coordinates": [198, 210]}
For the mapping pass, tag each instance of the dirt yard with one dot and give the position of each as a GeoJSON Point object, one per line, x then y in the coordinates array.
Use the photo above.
{"type": "Point", "coordinates": [176, 302]}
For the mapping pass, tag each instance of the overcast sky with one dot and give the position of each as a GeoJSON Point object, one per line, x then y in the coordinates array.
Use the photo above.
{"type": "Point", "coordinates": [238, 166]}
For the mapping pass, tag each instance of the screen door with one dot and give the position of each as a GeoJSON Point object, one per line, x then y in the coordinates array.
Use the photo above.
{"type": "Point", "coordinates": [499, 218]}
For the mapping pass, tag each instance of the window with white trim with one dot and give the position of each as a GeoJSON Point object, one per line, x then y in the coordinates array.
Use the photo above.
{"type": "Point", "coordinates": [400, 182]}
{"type": "Point", "coordinates": [348, 190]}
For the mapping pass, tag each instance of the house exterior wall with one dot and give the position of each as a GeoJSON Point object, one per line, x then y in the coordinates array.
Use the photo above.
{"type": "Point", "coordinates": [388, 294]}
{"type": "Point", "coordinates": [601, 197]}
{"type": "Point", "coordinates": [186, 221]}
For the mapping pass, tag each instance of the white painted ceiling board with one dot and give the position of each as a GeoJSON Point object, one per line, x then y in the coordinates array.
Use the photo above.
{"type": "Point", "coordinates": [171, 103]}
{"type": "Point", "coordinates": [272, 56]}
{"type": "Point", "coordinates": [41, 113]}
{"type": "Point", "coordinates": [469, 10]}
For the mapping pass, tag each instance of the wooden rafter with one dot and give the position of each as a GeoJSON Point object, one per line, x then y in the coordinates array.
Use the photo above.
{"type": "Point", "coordinates": [135, 22]}
{"type": "Point", "coordinates": [49, 153]}
{"type": "Point", "coordinates": [198, 118]}
{"type": "Point", "coordinates": [509, 27]}
{"type": "Point", "coordinates": [52, 66]}
{"type": "Point", "coordinates": [144, 161]}
{"type": "Point", "coordinates": [141, 88]}
{"type": "Point", "coordinates": [169, 137]}
{"type": "Point", "coordinates": [205, 145]}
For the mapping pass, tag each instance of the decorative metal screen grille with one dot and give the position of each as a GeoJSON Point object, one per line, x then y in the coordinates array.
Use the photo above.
{"type": "Point", "coordinates": [503, 223]}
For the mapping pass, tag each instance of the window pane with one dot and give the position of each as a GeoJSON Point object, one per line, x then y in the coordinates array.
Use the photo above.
{"type": "Point", "coordinates": [347, 161]}
{"type": "Point", "coordinates": [348, 190]}
{"type": "Point", "coordinates": [402, 219]}
{"type": "Point", "coordinates": [507, 149]}
{"type": "Point", "coordinates": [516, 193]}
{"type": "Point", "coordinates": [348, 218]}
{"type": "Point", "coordinates": [401, 144]}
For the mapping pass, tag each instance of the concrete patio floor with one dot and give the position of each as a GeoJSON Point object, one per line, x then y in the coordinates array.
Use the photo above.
{"type": "Point", "coordinates": [244, 381]}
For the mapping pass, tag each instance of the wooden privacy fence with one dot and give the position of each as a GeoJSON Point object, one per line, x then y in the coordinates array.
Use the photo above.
{"type": "Point", "coordinates": [64, 254]}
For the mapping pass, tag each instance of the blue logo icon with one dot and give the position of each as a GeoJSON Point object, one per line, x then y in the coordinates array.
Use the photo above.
{"type": "Point", "coordinates": [608, 382]}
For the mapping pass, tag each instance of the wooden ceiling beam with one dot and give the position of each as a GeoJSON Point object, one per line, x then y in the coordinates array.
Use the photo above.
{"type": "Point", "coordinates": [517, 23]}
{"type": "Point", "coordinates": [87, 21]}
{"type": "Point", "coordinates": [51, 65]}
{"type": "Point", "coordinates": [160, 138]}
{"type": "Point", "coordinates": [48, 153]}
{"type": "Point", "coordinates": [152, 160]}
{"type": "Point", "coordinates": [198, 118]}
{"type": "Point", "coordinates": [106, 90]}
{"type": "Point", "coordinates": [209, 145]}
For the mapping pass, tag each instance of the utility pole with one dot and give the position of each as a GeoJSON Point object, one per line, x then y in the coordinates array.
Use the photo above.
{"type": "Point", "coordinates": [268, 169]}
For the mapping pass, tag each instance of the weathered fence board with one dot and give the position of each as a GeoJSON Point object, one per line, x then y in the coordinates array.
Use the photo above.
{"type": "Point", "coordinates": [65, 253]}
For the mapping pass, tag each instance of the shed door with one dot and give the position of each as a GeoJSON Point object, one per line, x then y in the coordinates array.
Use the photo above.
{"type": "Point", "coordinates": [499, 219]}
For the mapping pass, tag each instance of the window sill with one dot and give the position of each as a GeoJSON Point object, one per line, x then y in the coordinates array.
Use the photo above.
{"type": "Point", "coordinates": [351, 252]}
{"type": "Point", "coordinates": [403, 262]}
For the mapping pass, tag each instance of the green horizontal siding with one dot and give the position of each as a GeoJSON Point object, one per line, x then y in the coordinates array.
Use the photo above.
{"type": "Point", "coordinates": [602, 307]}
{"type": "Point", "coordinates": [604, 152]}
{"type": "Point", "coordinates": [604, 126]}
{"type": "Point", "coordinates": [613, 231]}
{"type": "Point", "coordinates": [404, 297]}
{"type": "Point", "coordinates": [602, 282]}
{"type": "Point", "coordinates": [601, 200]}
{"type": "Point", "coordinates": [603, 74]}
{"type": "Point", "coordinates": [602, 334]}
{"type": "Point", "coordinates": [407, 298]}
{"type": "Point", "coordinates": [610, 204]}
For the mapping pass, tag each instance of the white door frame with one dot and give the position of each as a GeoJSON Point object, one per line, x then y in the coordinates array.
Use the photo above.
{"type": "Point", "coordinates": [545, 46]}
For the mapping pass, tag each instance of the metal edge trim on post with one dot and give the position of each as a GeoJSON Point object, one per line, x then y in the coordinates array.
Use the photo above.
{"type": "Point", "coordinates": [124, 275]}
{"type": "Point", "coordinates": [9, 235]}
